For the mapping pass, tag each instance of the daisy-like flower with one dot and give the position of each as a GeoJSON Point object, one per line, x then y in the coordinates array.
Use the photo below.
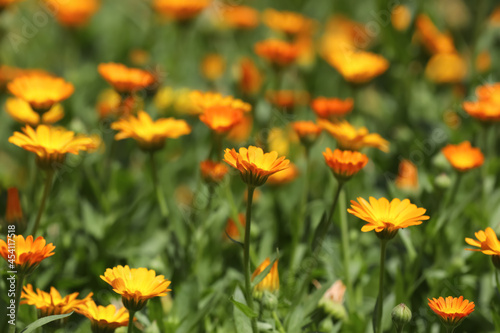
{"type": "Point", "coordinates": [385, 217]}
{"type": "Point", "coordinates": [452, 310]}
{"type": "Point", "coordinates": [254, 165]}
{"type": "Point", "coordinates": [345, 163]}
{"type": "Point", "coordinates": [358, 66]}
{"type": "Point", "coordinates": [290, 23]}
{"type": "Point", "coordinates": [73, 13]}
{"type": "Point", "coordinates": [487, 243]}
{"type": "Point", "coordinates": [221, 119]}
{"type": "Point", "coordinates": [208, 100]}
{"type": "Point", "coordinates": [51, 144]}
{"type": "Point", "coordinates": [407, 176]}
{"type": "Point", "coordinates": [463, 157]}
{"type": "Point", "coordinates": [21, 111]}
{"type": "Point", "coordinates": [287, 99]}
{"type": "Point", "coordinates": [41, 91]}
{"type": "Point", "coordinates": [307, 131]}
{"type": "Point", "coordinates": [149, 134]}
{"type": "Point", "coordinates": [125, 80]}
{"type": "Point", "coordinates": [484, 111]}
{"type": "Point", "coordinates": [249, 77]}
{"type": "Point", "coordinates": [104, 319]}
{"type": "Point", "coordinates": [213, 172]}
{"type": "Point", "coordinates": [284, 177]}
{"type": "Point", "coordinates": [350, 138]}
{"type": "Point", "coordinates": [446, 68]}
{"type": "Point", "coordinates": [180, 10]}
{"type": "Point", "coordinates": [277, 52]}
{"type": "Point", "coordinates": [271, 281]}
{"type": "Point", "coordinates": [29, 253]}
{"type": "Point", "coordinates": [240, 17]}
{"type": "Point", "coordinates": [136, 285]}
{"type": "Point", "coordinates": [331, 108]}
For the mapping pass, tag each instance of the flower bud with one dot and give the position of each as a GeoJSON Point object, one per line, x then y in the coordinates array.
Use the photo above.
{"type": "Point", "coordinates": [442, 181]}
{"type": "Point", "coordinates": [401, 315]}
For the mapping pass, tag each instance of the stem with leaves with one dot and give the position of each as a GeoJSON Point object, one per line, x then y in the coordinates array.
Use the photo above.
{"type": "Point", "coordinates": [380, 300]}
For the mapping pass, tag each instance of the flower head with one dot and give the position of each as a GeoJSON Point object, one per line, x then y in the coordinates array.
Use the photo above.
{"type": "Point", "coordinates": [434, 40]}
{"type": "Point", "coordinates": [180, 10]}
{"type": "Point", "coordinates": [452, 311]}
{"type": "Point", "coordinates": [240, 17]}
{"type": "Point", "coordinates": [213, 172]}
{"type": "Point", "coordinates": [277, 52]}
{"type": "Point", "coordinates": [208, 100]}
{"type": "Point", "coordinates": [249, 79]}
{"type": "Point", "coordinates": [446, 68]}
{"type": "Point", "coordinates": [74, 13]}
{"type": "Point", "coordinates": [463, 157]}
{"type": "Point", "coordinates": [329, 108]}
{"type": "Point", "coordinates": [221, 119]}
{"type": "Point", "coordinates": [254, 165]}
{"type": "Point", "coordinates": [484, 111]}
{"type": "Point", "coordinates": [307, 131]}
{"type": "Point", "coordinates": [358, 66]}
{"type": "Point", "coordinates": [345, 163]}
{"type": "Point", "coordinates": [285, 176]}
{"type": "Point", "coordinates": [125, 80]}
{"type": "Point", "coordinates": [29, 253]}
{"type": "Point", "coordinates": [136, 285]}
{"type": "Point", "coordinates": [385, 217]}
{"type": "Point", "coordinates": [407, 175]}
{"type": "Point", "coordinates": [104, 319]}
{"type": "Point", "coordinates": [271, 281]}
{"type": "Point", "coordinates": [487, 242]}
{"type": "Point", "coordinates": [401, 17]}
{"type": "Point", "coordinates": [290, 23]}
{"type": "Point", "coordinates": [149, 134]}
{"type": "Point", "coordinates": [21, 111]}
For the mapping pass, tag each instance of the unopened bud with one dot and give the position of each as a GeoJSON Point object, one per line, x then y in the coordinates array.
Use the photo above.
{"type": "Point", "coordinates": [401, 315]}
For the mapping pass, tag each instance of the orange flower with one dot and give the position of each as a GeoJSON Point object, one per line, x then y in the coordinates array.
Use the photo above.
{"type": "Point", "coordinates": [350, 138]}
{"type": "Point", "coordinates": [73, 13]}
{"type": "Point", "coordinates": [254, 165]}
{"type": "Point", "coordinates": [213, 66]}
{"type": "Point", "coordinates": [307, 131]}
{"type": "Point", "coordinates": [28, 253]}
{"type": "Point", "coordinates": [103, 319]}
{"type": "Point", "coordinates": [240, 17]}
{"type": "Point", "coordinates": [277, 52]}
{"type": "Point", "coordinates": [221, 119]}
{"type": "Point", "coordinates": [207, 100]}
{"type": "Point", "coordinates": [489, 93]}
{"type": "Point", "coordinates": [358, 66]}
{"type": "Point", "coordinates": [51, 144]}
{"type": "Point", "coordinates": [407, 176]}
{"type": "Point", "coordinates": [290, 23]}
{"type": "Point", "coordinates": [180, 10]}
{"type": "Point", "coordinates": [241, 131]}
{"type": "Point", "coordinates": [463, 157]}
{"type": "Point", "coordinates": [452, 311]}
{"type": "Point", "coordinates": [284, 177]}
{"type": "Point", "coordinates": [21, 111]}
{"type": "Point", "coordinates": [332, 107]}
{"type": "Point", "coordinates": [213, 172]}
{"type": "Point", "coordinates": [345, 163]}
{"type": "Point", "coordinates": [385, 217]}
{"type": "Point", "coordinates": [52, 303]}
{"type": "Point", "coordinates": [484, 111]}
{"type": "Point", "coordinates": [435, 41]}
{"type": "Point", "coordinates": [149, 134]}
{"type": "Point", "coordinates": [446, 68]}
{"type": "Point", "coordinates": [487, 242]}
{"type": "Point", "coordinates": [401, 17]}
{"type": "Point", "coordinates": [125, 80]}
{"type": "Point", "coordinates": [232, 229]}
{"type": "Point", "coordinates": [271, 282]}
{"type": "Point", "coordinates": [8, 73]}
{"type": "Point", "coordinates": [342, 34]}
{"type": "Point", "coordinates": [287, 99]}
{"type": "Point", "coordinates": [14, 212]}
{"type": "Point", "coordinates": [40, 91]}
{"type": "Point", "coordinates": [250, 78]}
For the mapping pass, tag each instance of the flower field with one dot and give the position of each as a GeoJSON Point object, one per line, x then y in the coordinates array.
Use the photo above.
{"type": "Point", "coordinates": [249, 166]}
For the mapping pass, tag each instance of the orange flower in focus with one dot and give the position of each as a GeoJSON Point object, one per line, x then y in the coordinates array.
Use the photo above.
{"type": "Point", "coordinates": [287, 99]}
{"type": "Point", "coordinates": [241, 131]}
{"type": "Point", "coordinates": [22, 112]}
{"type": "Point", "coordinates": [290, 23]}
{"type": "Point", "coordinates": [208, 100]}
{"type": "Point", "coordinates": [240, 17]}
{"type": "Point", "coordinates": [221, 119]}
{"type": "Point", "coordinates": [271, 282]}
{"type": "Point", "coordinates": [103, 319]}
{"type": "Point", "coordinates": [463, 157]}
{"type": "Point", "coordinates": [40, 91]}
{"type": "Point", "coordinates": [435, 41]}
{"type": "Point", "coordinates": [180, 10]}
{"type": "Point", "coordinates": [329, 108]}
{"type": "Point", "coordinates": [250, 78]}
{"type": "Point", "coordinates": [254, 165]}
{"type": "Point", "coordinates": [149, 134]}
{"type": "Point", "coordinates": [277, 52]}
{"type": "Point", "coordinates": [358, 66]}
{"type": "Point", "coordinates": [232, 229]}
{"type": "Point", "coordinates": [213, 66]}
{"type": "Point", "coordinates": [307, 131]}
{"type": "Point", "coordinates": [452, 311]}
{"type": "Point", "coordinates": [487, 242]}
{"type": "Point", "coordinates": [125, 80]}
{"type": "Point", "coordinates": [29, 253]}
{"type": "Point", "coordinates": [284, 177]}
{"type": "Point", "coordinates": [350, 138]}
{"type": "Point", "coordinates": [345, 163]}
{"type": "Point", "coordinates": [213, 172]}
{"type": "Point", "coordinates": [407, 176]}
{"type": "Point", "coordinates": [73, 13]}
{"type": "Point", "coordinates": [446, 68]}
{"type": "Point", "coordinates": [401, 17]}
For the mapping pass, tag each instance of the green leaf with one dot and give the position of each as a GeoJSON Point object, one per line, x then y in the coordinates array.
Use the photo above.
{"type": "Point", "coordinates": [241, 320]}
{"type": "Point", "coordinates": [43, 321]}
{"type": "Point", "coordinates": [244, 308]}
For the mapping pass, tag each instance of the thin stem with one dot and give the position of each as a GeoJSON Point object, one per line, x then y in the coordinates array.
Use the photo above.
{"type": "Point", "coordinates": [157, 188]}
{"type": "Point", "coordinates": [277, 320]}
{"type": "Point", "coordinates": [131, 315]}
{"type": "Point", "coordinates": [380, 300]}
{"type": "Point", "coordinates": [19, 287]}
{"type": "Point", "coordinates": [335, 200]}
{"type": "Point", "coordinates": [346, 251]}
{"type": "Point", "coordinates": [450, 329]}
{"type": "Point", "coordinates": [46, 192]}
{"type": "Point", "coordinates": [246, 256]}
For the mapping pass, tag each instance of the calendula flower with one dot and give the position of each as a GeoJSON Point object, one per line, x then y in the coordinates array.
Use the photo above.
{"type": "Point", "coordinates": [240, 17]}
{"type": "Point", "coordinates": [232, 229]}
{"type": "Point", "coordinates": [451, 311]}
{"type": "Point", "coordinates": [435, 41]}
{"type": "Point", "coordinates": [180, 10]}
{"type": "Point", "coordinates": [29, 253]}
{"type": "Point", "coordinates": [463, 157]}
{"type": "Point", "coordinates": [221, 119]}
{"type": "Point", "coordinates": [331, 108]}
{"type": "Point", "coordinates": [271, 281]}
{"type": "Point", "coordinates": [290, 23]}
{"type": "Point", "coordinates": [249, 77]}
{"type": "Point", "coordinates": [73, 13]}
{"type": "Point", "coordinates": [343, 34]}
{"type": "Point", "coordinates": [489, 93]}
{"type": "Point", "coordinates": [357, 66]}
{"type": "Point", "coordinates": [125, 80]}
{"type": "Point", "coordinates": [277, 52]}
{"type": "Point", "coordinates": [8, 73]}
{"type": "Point", "coordinates": [14, 212]}
{"type": "Point", "coordinates": [284, 177]}
{"type": "Point", "coordinates": [136, 285]}
{"type": "Point", "coordinates": [104, 319]}
{"type": "Point", "coordinates": [21, 111]}
{"type": "Point", "coordinates": [213, 172]}
{"type": "Point", "coordinates": [487, 243]}
{"type": "Point", "coordinates": [484, 111]}
{"type": "Point", "coordinates": [446, 68]}
{"type": "Point", "coordinates": [308, 131]}
{"type": "Point", "coordinates": [401, 17]}
{"type": "Point", "coordinates": [40, 91]}
{"type": "Point", "coordinates": [287, 99]}
{"type": "Point", "coordinates": [51, 303]}
{"type": "Point", "coordinates": [149, 134]}
{"type": "Point", "coordinates": [385, 217]}
{"type": "Point", "coordinates": [51, 144]}
{"type": "Point", "coordinates": [254, 165]}
{"type": "Point", "coordinates": [213, 66]}
{"type": "Point", "coordinates": [207, 100]}
{"type": "Point", "coordinates": [407, 176]}
{"type": "Point", "coordinates": [345, 163]}
{"type": "Point", "coordinates": [350, 138]}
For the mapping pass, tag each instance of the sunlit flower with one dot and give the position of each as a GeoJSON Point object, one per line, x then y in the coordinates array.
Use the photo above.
{"type": "Point", "coordinates": [385, 217]}
{"type": "Point", "coordinates": [8, 73]}
{"type": "Point", "coordinates": [463, 157]}
{"type": "Point", "coordinates": [249, 77]}
{"type": "Point", "coordinates": [407, 176]}
{"type": "Point", "coordinates": [331, 108]}
{"type": "Point", "coordinates": [285, 176]}
{"type": "Point", "coordinates": [487, 242]}
{"type": "Point", "coordinates": [350, 138]}
{"type": "Point", "coordinates": [483, 62]}
{"type": "Point", "coordinates": [213, 172]}
{"type": "Point", "coordinates": [180, 10]}
{"type": "Point", "coordinates": [21, 111]}
{"type": "Point", "coordinates": [332, 301]}
{"type": "Point", "coordinates": [125, 80]}
{"type": "Point", "coordinates": [241, 131]}
{"type": "Point", "coordinates": [277, 52]}
{"type": "Point", "coordinates": [136, 285]}
{"type": "Point", "coordinates": [345, 163]}
{"type": "Point", "coordinates": [73, 13]}
{"type": "Point", "coordinates": [489, 93]}
{"type": "Point", "coordinates": [446, 68]}
{"type": "Point", "coordinates": [14, 212]}
{"type": "Point", "coordinates": [435, 41]}
{"type": "Point", "coordinates": [40, 91]}
{"type": "Point", "coordinates": [232, 229]}
{"type": "Point", "coordinates": [271, 281]}
{"type": "Point", "coordinates": [149, 134]}
{"type": "Point", "coordinates": [308, 131]}
{"type": "Point", "coordinates": [254, 165]}
{"type": "Point", "coordinates": [290, 23]}
{"type": "Point", "coordinates": [213, 66]}
{"type": "Point", "coordinates": [287, 99]}
{"type": "Point", "coordinates": [207, 100]}
{"type": "Point", "coordinates": [240, 17]}
{"type": "Point", "coordinates": [401, 17]}
{"type": "Point", "coordinates": [342, 34]}
{"type": "Point", "coordinates": [484, 111]}
{"type": "Point", "coordinates": [221, 119]}
{"type": "Point", "coordinates": [104, 319]}
{"type": "Point", "coordinates": [358, 66]}
{"type": "Point", "coordinates": [451, 311]}
{"type": "Point", "coordinates": [29, 252]}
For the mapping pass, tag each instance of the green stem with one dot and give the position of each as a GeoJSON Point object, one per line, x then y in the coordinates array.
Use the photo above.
{"type": "Point", "coordinates": [246, 256]}
{"type": "Point", "coordinates": [335, 200]}
{"type": "Point", "coordinates": [454, 189]}
{"type": "Point", "coordinates": [157, 188]}
{"type": "Point", "coordinates": [46, 192]}
{"type": "Point", "coordinates": [450, 329]}
{"type": "Point", "coordinates": [19, 288]}
{"type": "Point", "coordinates": [277, 320]}
{"type": "Point", "coordinates": [346, 251]}
{"type": "Point", "coordinates": [380, 299]}
{"type": "Point", "coordinates": [131, 315]}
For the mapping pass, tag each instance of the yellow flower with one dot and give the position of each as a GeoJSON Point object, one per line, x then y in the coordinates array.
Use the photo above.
{"type": "Point", "coordinates": [385, 217]}
{"type": "Point", "coordinates": [149, 134]}
{"type": "Point", "coordinates": [277, 52]}
{"type": "Point", "coordinates": [307, 131]}
{"type": "Point", "coordinates": [487, 242]}
{"type": "Point", "coordinates": [290, 23]}
{"type": "Point", "coordinates": [28, 253]}
{"type": "Point", "coordinates": [104, 319]}
{"type": "Point", "coordinates": [401, 17]}
{"type": "Point", "coordinates": [8, 73]}
{"type": "Point", "coordinates": [213, 172]}
{"type": "Point", "coordinates": [407, 175]}
{"type": "Point", "coordinates": [254, 165]}
{"type": "Point", "coordinates": [240, 17]}
{"type": "Point", "coordinates": [213, 66]}
{"type": "Point", "coordinates": [358, 66]}
{"type": "Point", "coordinates": [271, 281]}
{"type": "Point", "coordinates": [446, 68]}
{"type": "Point", "coordinates": [136, 285]}
{"type": "Point", "coordinates": [125, 80]}
{"type": "Point", "coordinates": [345, 163]}
{"type": "Point", "coordinates": [40, 91]}
{"type": "Point", "coordinates": [51, 303]}
{"type": "Point", "coordinates": [463, 157]}
{"type": "Point", "coordinates": [350, 138]}
{"type": "Point", "coordinates": [22, 112]}
{"type": "Point", "coordinates": [451, 311]}
{"type": "Point", "coordinates": [73, 13]}
{"type": "Point", "coordinates": [207, 100]}
{"type": "Point", "coordinates": [221, 119]}
{"type": "Point", "coordinates": [51, 144]}
{"type": "Point", "coordinates": [180, 10]}
{"type": "Point", "coordinates": [284, 177]}
{"type": "Point", "coordinates": [331, 108]}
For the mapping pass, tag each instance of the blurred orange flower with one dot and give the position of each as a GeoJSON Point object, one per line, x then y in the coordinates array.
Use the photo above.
{"type": "Point", "coordinates": [345, 163]}
{"type": "Point", "coordinates": [221, 119]}
{"type": "Point", "coordinates": [290, 23]}
{"type": "Point", "coordinates": [29, 252]}
{"type": "Point", "coordinates": [21, 111]}
{"type": "Point", "coordinates": [240, 17]}
{"type": "Point", "coordinates": [241, 131]}
{"type": "Point", "coordinates": [271, 281]}
{"type": "Point", "coordinates": [250, 79]}
{"type": "Point", "coordinates": [407, 175]}
{"type": "Point", "coordinates": [8, 73]}
{"type": "Point", "coordinates": [73, 13]}
{"type": "Point", "coordinates": [103, 319]}
{"type": "Point", "coordinates": [277, 52]}
{"type": "Point", "coordinates": [285, 176]}
{"type": "Point", "coordinates": [489, 93]}
{"type": "Point", "coordinates": [207, 100]}
{"type": "Point", "coordinates": [14, 212]}
{"type": "Point", "coordinates": [232, 230]}
{"type": "Point", "coordinates": [446, 68]}
{"type": "Point", "coordinates": [435, 41]}
{"type": "Point", "coordinates": [452, 311]}
{"type": "Point", "coordinates": [401, 17]}
{"type": "Point", "coordinates": [358, 66]}
{"type": "Point", "coordinates": [463, 157]}
{"type": "Point", "coordinates": [329, 108]}
{"type": "Point", "coordinates": [487, 108]}
{"type": "Point", "coordinates": [495, 17]}
{"type": "Point", "coordinates": [307, 131]}
{"type": "Point", "coordinates": [180, 10]}
{"type": "Point", "coordinates": [213, 66]}
{"type": "Point", "coordinates": [213, 172]}
{"type": "Point", "coordinates": [487, 242]}
{"type": "Point", "coordinates": [125, 80]}
{"type": "Point", "coordinates": [287, 99]}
